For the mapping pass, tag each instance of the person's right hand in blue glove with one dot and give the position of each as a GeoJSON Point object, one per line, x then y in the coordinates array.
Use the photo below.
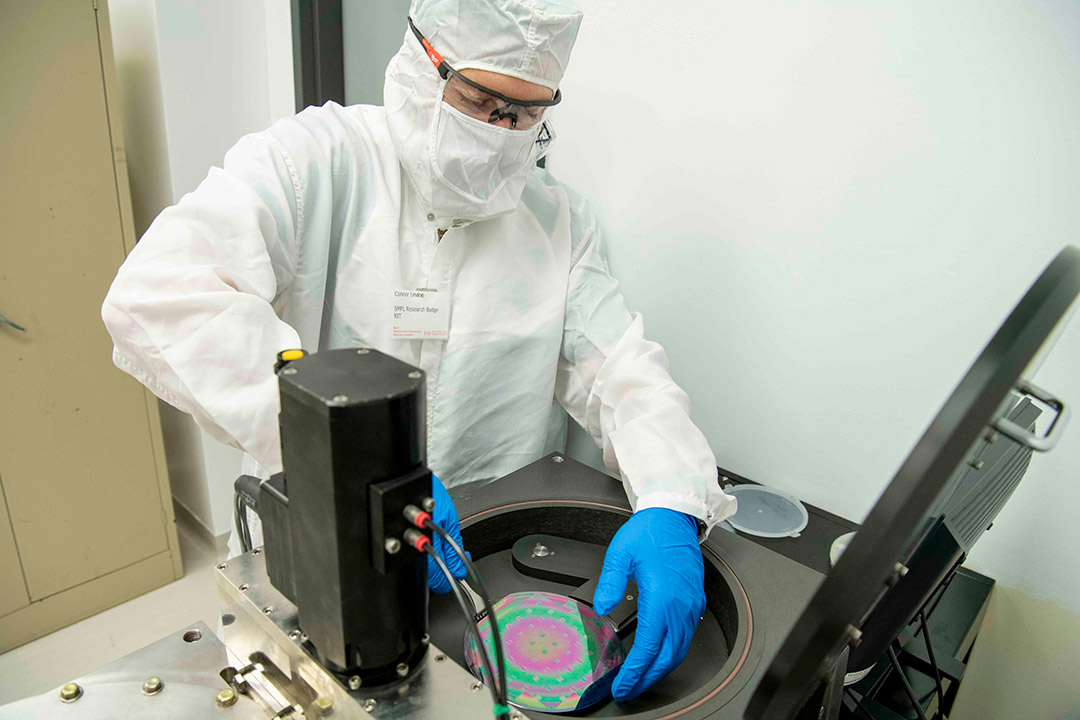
{"type": "Point", "coordinates": [657, 548]}
{"type": "Point", "coordinates": [445, 516]}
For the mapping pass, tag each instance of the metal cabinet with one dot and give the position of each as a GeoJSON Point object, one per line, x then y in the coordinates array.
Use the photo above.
{"type": "Point", "coordinates": [87, 517]}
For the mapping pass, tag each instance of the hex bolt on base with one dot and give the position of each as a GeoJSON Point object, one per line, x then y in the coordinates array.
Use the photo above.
{"type": "Point", "coordinates": [70, 693]}
{"type": "Point", "coordinates": [226, 698]}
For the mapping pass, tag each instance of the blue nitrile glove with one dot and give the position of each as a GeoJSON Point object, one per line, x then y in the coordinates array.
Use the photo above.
{"type": "Point", "coordinates": [445, 516]}
{"type": "Point", "coordinates": [658, 549]}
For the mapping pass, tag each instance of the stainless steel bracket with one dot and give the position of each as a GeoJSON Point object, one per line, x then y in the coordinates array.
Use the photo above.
{"type": "Point", "coordinates": [255, 681]}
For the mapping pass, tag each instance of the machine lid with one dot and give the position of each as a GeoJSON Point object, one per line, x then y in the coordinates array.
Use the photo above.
{"type": "Point", "coordinates": [767, 513]}
{"type": "Point", "coordinates": [900, 516]}
{"type": "Point", "coordinates": [560, 655]}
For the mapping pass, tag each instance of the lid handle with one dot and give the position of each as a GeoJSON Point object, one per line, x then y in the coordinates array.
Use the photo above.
{"type": "Point", "coordinates": [1028, 438]}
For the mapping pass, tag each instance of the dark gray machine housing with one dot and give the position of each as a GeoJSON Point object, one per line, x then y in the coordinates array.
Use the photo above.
{"type": "Point", "coordinates": [967, 507]}
{"type": "Point", "coordinates": [753, 595]}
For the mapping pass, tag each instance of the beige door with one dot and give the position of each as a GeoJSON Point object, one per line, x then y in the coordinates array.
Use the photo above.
{"type": "Point", "coordinates": [78, 438]}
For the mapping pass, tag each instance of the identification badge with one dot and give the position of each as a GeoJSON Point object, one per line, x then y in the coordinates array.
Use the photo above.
{"type": "Point", "coordinates": [420, 314]}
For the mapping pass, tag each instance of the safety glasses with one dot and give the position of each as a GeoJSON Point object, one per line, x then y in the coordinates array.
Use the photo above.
{"type": "Point", "coordinates": [481, 102]}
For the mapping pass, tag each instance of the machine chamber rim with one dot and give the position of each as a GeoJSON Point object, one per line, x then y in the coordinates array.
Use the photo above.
{"type": "Point", "coordinates": [741, 595]}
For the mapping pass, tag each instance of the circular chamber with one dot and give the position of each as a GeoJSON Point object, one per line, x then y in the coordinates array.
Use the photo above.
{"type": "Point", "coordinates": [560, 655]}
{"type": "Point", "coordinates": [719, 662]}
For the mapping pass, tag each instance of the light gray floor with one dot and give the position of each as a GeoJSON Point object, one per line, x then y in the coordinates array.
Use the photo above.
{"type": "Point", "coordinates": [55, 659]}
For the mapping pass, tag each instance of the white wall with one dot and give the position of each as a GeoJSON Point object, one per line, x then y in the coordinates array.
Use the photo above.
{"type": "Point", "coordinates": [215, 74]}
{"type": "Point", "coordinates": [372, 31]}
{"type": "Point", "coordinates": [823, 210]}
{"type": "Point", "coordinates": [134, 35]}
{"type": "Point", "coordinates": [196, 75]}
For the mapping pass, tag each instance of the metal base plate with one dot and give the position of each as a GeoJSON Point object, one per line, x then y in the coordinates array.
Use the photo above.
{"type": "Point", "coordinates": [264, 630]}
{"type": "Point", "coordinates": [187, 662]}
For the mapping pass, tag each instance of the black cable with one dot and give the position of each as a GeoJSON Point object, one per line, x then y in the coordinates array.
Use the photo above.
{"type": "Point", "coordinates": [858, 703]}
{"type": "Point", "coordinates": [240, 522]}
{"type": "Point", "coordinates": [940, 687]}
{"type": "Point", "coordinates": [246, 492]}
{"type": "Point", "coordinates": [481, 590]}
{"type": "Point", "coordinates": [464, 605]}
{"type": "Point", "coordinates": [236, 519]}
{"type": "Point", "coordinates": [908, 690]}
{"type": "Point", "coordinates": [470, 624]}
{"type": "Point", "coordinates": [875, 686]}
{"type": "Point", "coordinates": [245, 522]}
{"type": "Point", "coordinates": [416, 517]}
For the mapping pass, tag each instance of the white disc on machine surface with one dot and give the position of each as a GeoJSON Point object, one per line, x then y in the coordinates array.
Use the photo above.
{"type": "Point", "coordinates": [765, 512]}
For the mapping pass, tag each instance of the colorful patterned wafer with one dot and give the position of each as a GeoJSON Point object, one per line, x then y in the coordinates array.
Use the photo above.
{"type": "Point", "coordinates": [556, 649]}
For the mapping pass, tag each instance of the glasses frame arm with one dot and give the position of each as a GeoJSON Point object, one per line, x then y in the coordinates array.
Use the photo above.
{"type": "Point", "coordinates": [445, 70]}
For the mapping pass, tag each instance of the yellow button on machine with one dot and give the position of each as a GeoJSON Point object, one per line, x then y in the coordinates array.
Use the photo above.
{"type": "Point", "coordinates": [292, 354]}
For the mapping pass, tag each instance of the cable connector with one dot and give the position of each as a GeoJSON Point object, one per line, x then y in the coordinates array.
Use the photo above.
{"type": "Point", "coordinates": [416, 516]}
{"type": "Point", "coordinates": [416, 540]}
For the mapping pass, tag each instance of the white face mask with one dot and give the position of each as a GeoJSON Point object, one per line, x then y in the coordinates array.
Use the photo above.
{"type": "Point", "coordinates": [479, 170]}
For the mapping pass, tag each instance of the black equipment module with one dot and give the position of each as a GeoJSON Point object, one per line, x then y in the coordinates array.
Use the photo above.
{"type": "Point", "coordinates": [353, 451]}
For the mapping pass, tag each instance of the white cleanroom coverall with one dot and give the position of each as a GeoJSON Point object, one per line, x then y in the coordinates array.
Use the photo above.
{"type": "Point", "coordinates": [305, 233]}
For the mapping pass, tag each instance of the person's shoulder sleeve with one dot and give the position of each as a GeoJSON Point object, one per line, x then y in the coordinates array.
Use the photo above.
{"type": "Point", "coordinates": [190, 309]}
{"type": "Point", "coordinates": [616, 385]}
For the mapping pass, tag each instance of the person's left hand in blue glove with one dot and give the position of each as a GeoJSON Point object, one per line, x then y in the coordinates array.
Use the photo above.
{"type": "Point", "coordinates": [445, 516]}
{"type": "Point", "coordinates": [658, 549]}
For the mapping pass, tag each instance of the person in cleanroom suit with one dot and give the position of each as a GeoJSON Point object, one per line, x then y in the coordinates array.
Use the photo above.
{"type": "Point", "coordinates": [302, 238]}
